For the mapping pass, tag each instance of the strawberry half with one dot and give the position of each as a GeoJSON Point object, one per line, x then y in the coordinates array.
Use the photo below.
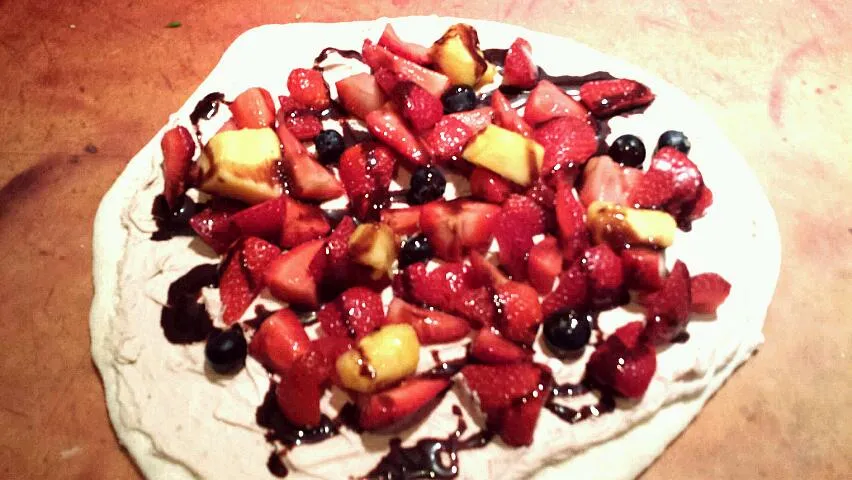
{"type": "Point", "coordinates": [609, 97]}
{"type": "Point", "coordinates": [280, 340]}
{"type": "Point", "coordinates": [383, 409]}
{"type": "Point", "coordinates": [520, 219]}
{"type": "Point", "coordinates": [403, 221]}
{"type": "Point", "coordinates": [308, 179]}
{"type": "Point", "coordinates": [572, 291]}
{"type": "Point", "coordinates": [455, 227]}
{"type": "Point", "coordinates": [519, 69]}
{"type": "Point", "coordinates": [379, 57]}
{"type": "Point", "coordinates": [606, 276]}
{"type": "Point", "coordinates": [437, 288]}
{"type": "Point", "coordinates": [178, 148]}
{"type": "Point", "coordinates": [289, 277]}
{"type": "Point", "coordinates": [476, 119]}
{"type": "Point", "coordinates": [571, 219]}
{"type": "Point", "coordinates": [390, 129]}
{"type": "Point", "coordinates": [643, 268]}
{"type": "Point", "coordinates": [667, 309]}
{"type": "Point", "coordinates": [332, 265]}
{"type": "Point", "coordinates": [567, 142]}
{"type": "Point", "coordinates": [447, 139]}
{"type": "Point", "coordinates": [302, 222]}
{"type": "Point", "coordinates": [477, 305]}
{"type": "Point", "coordinates": [308, 88]}
{"type": "Point", "coordinates": [432, 326]}
{"type": "Point", "coordinates": [545, 263]}
{"type": "Point", "coordinates": [366, 171]}
{"type": "Point", "coordinates": [302, 386]}
{"type": "Point", "coordinates": [213, 224]}
{"type": "Point", "coordinates": [672, 183]}
{"type": "Point", "coordinates": [547, 101]}
{"type": "Point", "coordinates": [262, 220]}
{"type": "Point", "coordinates": [419, 107]}
{"type": "Point", "coordinates": [489, 346]}
{"type": "Point", "coordinates": [487, 185]}
{"type": "Point", "coordinates": [410, 51]}
{"type": "Point", "coordinates": [253, 109]}
{"type": "Point", "coordinates": [360, 94]}
{"type": "Point", "coordinates": [606, 180]}
{"type": "Point", "coordinates": [708, 290]}
{"type": "Point", "coordinates": [623, 363]}
{"type": "Point", "coordinates": [304, 125]}
{"type": "Point", "coordinates": [353, 314]}
{"type": "Point", "coordinates": [518, 312]}
{"type": "Point", "coordinates": [699, 209]}
{"type": "Point", "coordinates": [507, 117]}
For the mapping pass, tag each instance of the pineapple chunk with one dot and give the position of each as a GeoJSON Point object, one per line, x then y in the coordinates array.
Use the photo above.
{"type": "Point", "coordinates": [242, 164]}
{"type": "Point", "coordinates": [373, 245]}
{"type": "Point", "coordinates": [506, 153]}
{"type": "Point", "coordinates": [382, 358]}
{"type": "Point", "coordinates": [619, 225]}
{"type": "Point", "coordinates": [457, 56]}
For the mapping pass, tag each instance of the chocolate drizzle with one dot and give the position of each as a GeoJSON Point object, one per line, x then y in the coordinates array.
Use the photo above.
{"type": "Point", "coordinates": [323, 56]}
{"type": "Point", "coordinates": [260, 315]}
{"type": "Point", "coordinates": [278, 429]}
{"type": "Point", "coordinates": [173, 222]}
{"type": "Point", "coordinates": [605, 405]}
{"type": "Point", "coordinates": [184, 319]}
{"type": "Point", "coordinates": [207, 107]}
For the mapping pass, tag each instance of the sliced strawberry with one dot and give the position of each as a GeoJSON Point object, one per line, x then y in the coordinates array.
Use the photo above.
{"type": "Point", "coordinates": [288, 105]}
{"type": "Point", "coordinates": [235, 290]}
{"type": "Point", "coordinates": [609, 97]}
{"type": "Point", "coordinates": [228, 126]}
{"type": "Point", "coordinates": [518, 312]}
{"type": "Point", "coordinates": [302, 222]}
{"type": "Point", "coordinates": [289, 278]}
{"type": "Point", "coordinates": [570, 216]}
{"type": "Point", "coordinates": [410, 51]}
{"type": "Point", "coordinates": [262, 220]}
{"type": "Point", "coordinates": [606, 276]}
{"type": "Point", "coordinates": [308, 88]}
{"type": "Point", "coordinates": [302, 386]}
{"type": "Point", "coordinates": [256, 254]}
{"type": "Point", "coordinates": [331, 347]}
{"type": "Point", "coordinates": [360, 94]}
{"type": "Point", "coordinates": [279, 341]}
{"type": "Point", "coordinates": [653, 190]}
{"type": "Point", "coordinates": [379, 57]}
{"type": "Point", "coordinates": [708, 290]}
{"type": "Point", "coordinates": [456, 227]}
{"type": "Point", "coordinates": [437, 288]}
{"type": "Point", "coordinates": [519, 69]}
{"type": "Point", "coordinates": [520, 419]}
{"type": "Point", "coordinates": [308, 179]}
{"type": "Point", "coordinates": [419, 107]}
{"type": "Point", "coordinates": [403, 221]}
{"type": "Point", "coordinates": [507, 117]}
{"type": "Point", "coordinates": [366, 170]}
{"type": "Point", "coordinates": [672, 183]}
{"type": "Point", "coordinates": [485, 272]}
{"type": "Point", "coordinates": [253, 109]}
{"type": "Point", "coordinates": [353, 314]}
{"type": "Point", "coordinates": [487, 185]}
{"type": "Point", "coordinates": [643, 268]}
{"type": "Point", "coordinates": [489, 346]}
{"type": "Point", "coordinates": [622, 363]}
{"type": "Point", "coordinates": [447, 139]}
{"type": "Point", "coordinates": [432, 326]}
{"type": "Point", "coordinates": [572, 291]}
{"type": "Point", "coordinates": [545, 263]}
{"type": "Point", "coordinates": [543, 193]}
{"type": "Point", "coordinates": [178, 148]}
{"type": "Point", "coordinates": [548, 101]}
{"type": "Point", "coordinates": [606, 180]}
{"type": "Point", "coordinates": [667, 309]}
{"type": "Point", "coordinates": [303, 124]}
{"type": "Point", "coordinates": [697, 210]}
{"type": "Point", "coordinates": [382, 409]}
{"type": "Point", "coordinates": [390, 129]}
{"type": "Point", "coordinates": [476, 305]}
{"type": "Point", "coordinates": [567, 141]}
{"type": "Point", "coordinates": [333, 263]}
{"type": "Point", "coordinates": [387, 80]}
{"type": "Point", "coordinates": [476, 119]}
{"type": "Point", "coordinates": [520, 219]}
{"type": "Point", "coordinates": [213, 225]}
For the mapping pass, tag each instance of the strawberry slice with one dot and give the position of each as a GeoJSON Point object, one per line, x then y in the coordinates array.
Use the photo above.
{"type": "Point", "coordinates": [280, 340]}
{"type": "Point", "coordinates": [353, 314]}
{"type": "Point", "coordinates": [609, 97]}
{"type": "Point", "coordinates": [379, 57]}
{"type": "Point", "coordinates": [484, 272]}
{"type": "Point", "coordinates": [213, 224]}
{"type": "Point", "coordinates": [419, 107]}
{"type": "Point", "coordinates": [476, 305]}
{"type": "Point", "coordinates": [253, 109]}
{"type": "Point", "coordinates": [333, 264]}
{"type": "Point", "coordinates": [507, 117]}
{"type": "Point", "coordinates": [487, 185]}
{"type": "Point", "coordinates": [518, 312]}
{"type": "Point", "coordinates": [455, 227]}
{"type": "Point", "coordinates": [709, 290]}
{"type": "Point", "coordinates": [699, 209]}
{"type": "Point", "coordinates": [366, 171]}
{"type": "Point", "coordinates": [570, 216]}
{"type": "Point", "coordinates": [331, 348]}
{"type": "Point", "coordinates": [387, 80]}
{"type": "Point", "coordinates": [308, 88]}
{"type": "Point", "coordinates": [519, 69]}
{"type": "Point", "coordinates": [606, 180]}
{"type": "Point", "coordinates": [489, 346]}
{"type": "Point", "coordinates": [654, 189]}
{"type": "Point", "coordinates": [667, 309]}
{"type": "Point", "coordinates": [308, 179]}
{"type": "Point", "coordinates": [178, 148]}
{"type": "Point", "coordinates": [432, 326]}
{"type": "Point", "coordinates": [476, 119]}
{"type": "Point", "coordinates": [385, 408]}
{"type": "Point", "coordinates": [606, 276]}
{"type": "Point", "coordinates": [262, 220]}
{"type": "Point", "coordinates": [302, 222]}
{"type": "Point", "coordinates": [301, 388]}
{"type": "Point", "coordinates": [543, 193]}
{"type": "Point", "coordinates": [360, 94]}
{"type": "Point", "coordinates": [547, 101]}
{"type": "Point", "coordinates": [643, 268]}
{"type": "Point", "coordinates": [403, 221]}
{"type": "Point", "coordinates": [410, 51]}
{"type": "Point", "coordinates": [545, 263]}
{"type": "Point", "coordinates": [623, 362]}
{"type": "Point", "coordinates": [447, 139]}
{"type": "Point", "coordinates": [289, 278]}
{"type": "Point", "coordinates": [520, 219]}
{"type": "Point", "coordinates": [390, 129]}
{"type": "Point", "coordinates": [228, 126]}
{"type": "Point", "coordinates": [303, 124]}
{"type": "Point", "coordinates": [567, 141]}
{"type": "Point", "coordinates": [672, 183]}
{"type": "Point", "coordinates": [572, 291]}
{"type": "Point", "coordinates": [436, 288]}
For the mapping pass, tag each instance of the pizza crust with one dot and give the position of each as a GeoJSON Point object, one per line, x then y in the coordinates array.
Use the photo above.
{"type": "Point", "coordinates": [741, 218]}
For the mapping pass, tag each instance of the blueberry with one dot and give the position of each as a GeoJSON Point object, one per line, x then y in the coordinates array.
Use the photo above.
{"type": "Point", "coordinates": [673, 138]}
{"type": "Point", "coordinates": [628, 150]}
{"type": "Point", "coordinates": [226, 350]}
{"type": "Point", "coordinates": [329, 145]}
{"type": "Point", "coordinates": [415, 249]}
{"type": "Point", "coordinates": [427, 184]}
{"type": "Point", "coordinates": [459, 99]}
{"type": "Point", "coordinates": [567, 330]}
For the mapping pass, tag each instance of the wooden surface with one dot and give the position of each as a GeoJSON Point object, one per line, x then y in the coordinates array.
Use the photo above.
{"type": "Point", "coordinates": [86, 83]}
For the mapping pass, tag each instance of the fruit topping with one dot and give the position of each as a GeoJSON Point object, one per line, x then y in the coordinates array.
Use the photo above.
{"type": "Point", "coordinates": [366, 171]}
{"type": "Point", "coordinates": [411, 51]}
{"type": "Point", "coordinates": [373, 245]}
{"type": "Point", "coordinates": [427, 184]}
{"type": "Point", "coordinates": [606, 276]}
{"type": "Point", "coordinates": [308, 88]}
{"type": "Point", "coordinates": [544, 264]}
{"type": "Point", "coordinates": [567, 331]}
{"type": "Point", "coordinates": [279, 341]}
{"type": "Point", "coordinates": [304, 125]}
{"type": "Point", "coordinates": [385, 408]}
{"type": "Point", "coordinates": [621, 226]}
{"type": "Point", "coordinates": [354, 314]}
{"type": "Point", "coordinates": [447, 139]}
{"type": "Point", "coordinates": [547, 101]}
{"type": "Point", "coordinates": [506, 153]}
{"type": "Point", "coordinates": [667, 309]}
{"type": "Point", "coordinates": [676, 139]}
{"type": "Point", "coordinates": [419, 107]}
{"type": "Point", "coordinates": [403, 221]}
{"type": "Point", "coordinates": [289, 277]}
{"type": "Point", "coordinates": [571, 219]}
{"type": "Point", "coordinates": [262, 220]}
{"type": "Point", "coordinates": [604, 179]}
{"type": "Point", "coordinates": [390, 129]}
{"type": "Point", "coordinates": [519, 69]}
{"type": "Point", "coordinates": [507, 117]}
{"type": "Point", "coordinates": [457, 55]}
{"type": "Point", "coordinates": [178, 148]}
{"type": "Point", "coordinates": [459, 98]}
{"type": "Point", "coordinates": [567, 142]}
{"type": "Point", "coordinates": [520, 220]}
{"type": "Point", "coordinates": [489, 346]}
{"type": "Point", "coordinates": [708, 290]}
{"type": "Point", "coordinates": [360, 94]}
{"type": "Point", "coordinates": [453, 228]}
{"type": "Point", "coordinates": [442, 287]}
{"type": "Point", "coordinates": [672, 183]}
{"type": "Point", "coordinates": [432, 326]}
{"type": "Point", "coordinates": [308, 180]}
{"type": "Point", "coordinates": [518, 311]}
{"type": "Point", "coordinates": [623, 363]}
{"type": "Point", "coordinates": [644, 268]}
{"type": "Point", "coordinates": [476, 119]}
{"type": "Point", "coordinates": [226, 350]}
{"type": "Point", "coordinates": [487, 185]}
{"type": "Point", "coordinates": [608, 97]}
{"type": "Point", "coordinates": [213, 225]}
{"type": "Point", "coordinates": [628, 150]}
{"type": "Point", "coordinates": [381, 58]}
{"type": "Point", "coordinates": [242, 164]}
{"type": "Point", "coordinates": [302, 222]}
{"type": "Point", "coordinates": [381, 359]}
{"type": "Point", "coordinates": [415, 249]}
{"type": "Point", "coordinates": [242, 278]}
{"type": "Point", "coordinates": [253, 109]}
{"type": "Point", "coordinates": [572, 291]}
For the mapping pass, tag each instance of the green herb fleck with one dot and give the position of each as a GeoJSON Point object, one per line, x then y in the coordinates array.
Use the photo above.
{"type": "Point", "coordinates": [173, 24]}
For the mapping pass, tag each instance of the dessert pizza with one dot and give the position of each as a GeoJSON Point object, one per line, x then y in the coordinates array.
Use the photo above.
{"type": "Point", "coordinates": [424, 248]}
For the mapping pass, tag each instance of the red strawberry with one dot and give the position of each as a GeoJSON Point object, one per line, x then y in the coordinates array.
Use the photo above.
{"type": "Point", "coordinates": [489, 346]}
{"type": "Point", "coordinates": [545, 263]}
{"type": "Point", "coordinates": [308, 179]}
{"type": "Point", "coordinates": [301, 388]}
{"type": "Point", "coordinates": [228, 126]}
{"type": "Point", "coordinates": [476, 305]}
{"type": "Point", "coordinates": [608, 97]}
{"type": "Point", "coordinates": [213, 225]}
{"type": "Point", "coordinates": [178, 148]}
{"type": "Point", "coordinates": [387, 80]}
{"type": "Point", "coordinates": [256, 254]}
{"type": "Point", "coordinates": [366, 171]}
{"type": "Point", "coordinates": [331, 347]}
{"type": "Point", "coordinates": [520, 219]}
{"type": "Point", "coordinates": [332, 265]}
{"type": "Point", "coordinates": [653, 190]}
{"type": "Point", "coordinates": [520, 419]}
{"type": "Point", "coordinates": [483, 272]}
{"type": "Point", "coordinates": [567, 141]}
{"type": "Point", "coordinates": [403, 221]}
{"type": "Point", "coordinates": [548, 101]}
{"type": "Point", "coordinates": [605, 180]}
{"type": "Point", "coordinates": [390, 129]}
{"type": "Point", "coordinates": [262, 220]}
{"type": "Point", "coordinates": [519, 69]}
{"type": "Point", "coordinates": [672, 183]}
{"type": "Point", "coordinates": [382, 409]}
{"type": "Point", "coordinates": [304, 125]}
{"type": "Point", "coordinates": [623, 363]}
{"type": "Point", "coordinates": [432, 326]}
{"type": "Point", "coordinates": [289, 278]}
{"type": "Point", "coordinates": [302, 222]}
{"type": "Point", "coordinates": [506, 116]}
{"type": "Point", "coordinates": [455, 227]}
{"type": "Point", "coordinates": [280, 340]}
{"type": "Point", "coordinates": [571, 292]}
{"type": "Point", "coordinates": [643, 268]}
{"type": "Point", "coordinates": [437, 288]}
{"type": "Point", "coordinates": [488, 186]}
{"type": "Point", "coordinates": [704, 201]}
{"type": "Point", "coordinates": [447, 140]}
{"type": "Point", "coordinates": [709, 290]}
{"type": "Point", "coordinates": [605, 274]}
{"type": "Point", "coordinates": [419, 107]}
{"type": "Point", "coordinates": [518, 312]}
{"type": "Point", "coordinates": [308, 88]}
{"type": "Point", "coordinates": [379, 57]}
{"type": "Point", "coordinates": [253, 109]}
{"type": "Point", "coordinates": [543, 194]}
{"type": "Point", "coordinates": [360, 94]}
{"type": "Point", "coordinates": [355, 313]}
{"type": "Point", "coordinates": [288, 105]}
{"type": "Point", "coordinates": [667, 309]}
{"type": "Point", "coordinates": [235, 290]}
{"type": "Point", "coordinates": [410, 51]}
{"type": "Point", "coordinates": [476, 119]}
{"type": "Point", "coordinates": [570, 216]}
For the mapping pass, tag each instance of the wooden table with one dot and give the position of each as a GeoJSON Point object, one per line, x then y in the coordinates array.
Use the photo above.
{"type": "Point", "coordinates": [85, 84]}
